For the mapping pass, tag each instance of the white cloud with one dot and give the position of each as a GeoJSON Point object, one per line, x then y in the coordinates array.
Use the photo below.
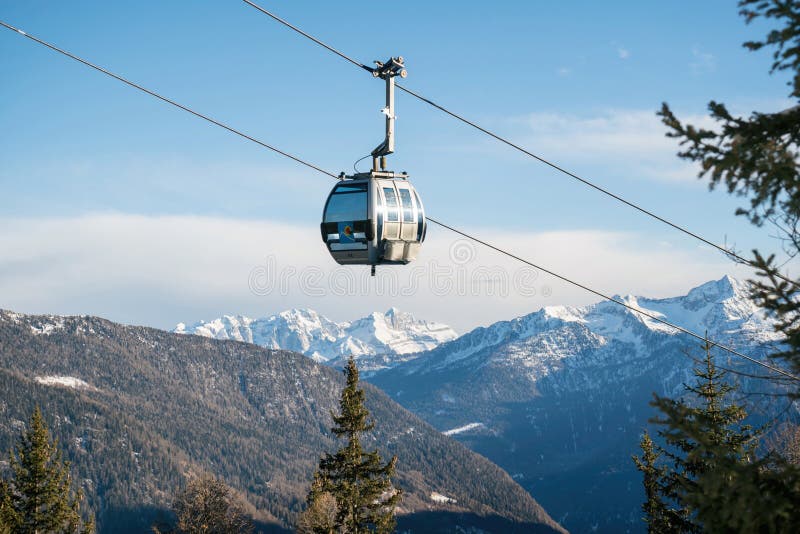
{"type": "Point", "coordinates": [564, 71]}
{"type": "Point", "coordinates": [623, 53]}
{"type": "Point", "coordinates": [163, 270]}
{"type": "Point", "coordinates": [632, 142]}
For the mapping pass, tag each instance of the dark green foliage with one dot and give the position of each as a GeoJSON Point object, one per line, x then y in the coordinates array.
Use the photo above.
{"type": "Point", "coordinates": [756, 157]}
{"type": "Point", "coordinates": [781, 299]}
{"type": "Point", "coordinates": [704, 436]}
{"type": "Point", "coordinates": [7, 517]}
{"type": "Point", "coordinates": [701, 433]}
{"type": "Point", "coordinates": [39, 497]}
{"type": "Point", "coordinates": [358, 480]}
{"type": "Point", "coordinates": [759, 157]}
{"type": "Point", "coordinates": [786, 39]}
{"type": "Point", "coordinates": [761, 496]}
{"type": "Point", "coordinates": [715, 423]}
{"type": "Point", "coordinates": [656, 513]}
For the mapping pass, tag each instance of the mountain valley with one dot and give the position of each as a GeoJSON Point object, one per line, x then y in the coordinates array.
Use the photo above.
{"type": "Point", "coordinates": [560, 397]}
{"type": "Point", "coordinates": [138, 410]}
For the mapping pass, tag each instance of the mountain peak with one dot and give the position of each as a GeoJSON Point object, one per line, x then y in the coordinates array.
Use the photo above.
{"type": "Point", "coordinates": [727, 292]}
{"type": "Point", "coordinates": [725, 287]}
{"type": "Point", "coordinates": [390, 334]}
{"type": "Point", "coordinates": [720, 307]}
{"type": "Point", "coordinates": [393, 317]}
{"type": "Point", "coordinates": [569, 382]}
{"type": "Point", "coordinates": [299, 312]}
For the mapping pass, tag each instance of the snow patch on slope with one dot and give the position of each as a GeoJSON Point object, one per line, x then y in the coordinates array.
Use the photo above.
{"type": "Point", "coordinates": [462, 429]}
{"type": "Point", "coordinates": [14, 317]}
{"type": "Point", "coordinates": [45, 329]}
{"type": "Point", "coordinates": [42, 325]}
{"type": "Point", "coordinates": [438, 497]}
{"type": "Point", "coordinates": [63, 381]}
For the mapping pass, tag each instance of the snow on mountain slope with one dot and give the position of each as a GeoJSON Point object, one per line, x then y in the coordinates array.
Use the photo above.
{"type": "Point", "coordinates": [542, 341]}
{"type": "Point", "coordinates": [378, 338]}
{"type": "Point", "coordinates": [536, 343]}
{"type": "Point", "coordinates": [562, 394]}
{"type": "Point", "coordinates": [295, 330]}
{"type": "Point", "coordinates": [64, 381]}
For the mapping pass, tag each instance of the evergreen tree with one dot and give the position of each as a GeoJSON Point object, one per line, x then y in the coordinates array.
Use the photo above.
{"type": "Point", "coordinates": [39, 498]}
{"type": "Point", "coordinates": [7, 516]}
{"type": "Point", "coordinates": [703, 435]}
{"type": "Point", "coordinates": [785, 443]}
{"type": "Point", "coordinates": [656, 514]}
{"type": "Point", "coordinates": [758, 157]}
{"type": "Point", "coordinates": [358, 480]}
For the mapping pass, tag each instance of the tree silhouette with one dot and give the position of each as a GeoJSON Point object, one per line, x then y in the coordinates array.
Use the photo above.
{"type": "Point", "coordinates": [359, 481]}
{"type": "Point", "coordinates": [39, 498]}
{"type": "Point", "coordinates": [656, 514]}
{"type": "Point", "coordinates": [757, 157]}
{"type": "Point", "coordinates": [704, 435]}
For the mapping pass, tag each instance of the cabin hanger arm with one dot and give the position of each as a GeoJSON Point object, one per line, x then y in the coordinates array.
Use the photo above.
{"type": "Point", "coordinates": [387, 71]}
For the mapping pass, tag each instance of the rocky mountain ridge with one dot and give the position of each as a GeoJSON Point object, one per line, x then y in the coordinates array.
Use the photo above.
{"type": "Point", "coordinates": [377, 340]}
{"type": "Point", "coordinates": [559, 397]}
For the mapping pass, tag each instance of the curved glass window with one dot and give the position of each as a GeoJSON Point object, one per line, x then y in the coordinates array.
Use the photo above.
{"type": "Point", "coordinates": [391, 204]}
{"type": "Point", "coordinates": [420, 209]}
{"type": "Point", "coordinates": [408, 206]}
{"type": "Point", "coordinates": [348, 202]}
{"type": "Point", "coordinates": [420, 219]}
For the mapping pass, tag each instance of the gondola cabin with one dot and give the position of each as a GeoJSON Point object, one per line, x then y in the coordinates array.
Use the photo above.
{"type": "Point", "coordinates": [373, 219]}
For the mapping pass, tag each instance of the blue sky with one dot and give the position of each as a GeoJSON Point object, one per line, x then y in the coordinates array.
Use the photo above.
{"type": "Point", "coordinates": [92, 171]}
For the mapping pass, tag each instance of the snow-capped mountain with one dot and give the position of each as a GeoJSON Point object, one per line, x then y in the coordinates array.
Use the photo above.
{"type": "Point", "coordinates": [377, 341]}
{"type": "Point", "coordinates": [559, 397]}
{"type": "Point", "coordinates": [554, 336]}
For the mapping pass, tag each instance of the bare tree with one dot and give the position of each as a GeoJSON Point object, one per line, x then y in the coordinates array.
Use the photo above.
{"type": "Point", "coordinates": [207, 505]}
{"type": "Point", "coordinates": [320, 516]}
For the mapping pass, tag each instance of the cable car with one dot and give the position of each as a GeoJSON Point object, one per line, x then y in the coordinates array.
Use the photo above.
{"type": "Point", "coordinates": [376, 217]}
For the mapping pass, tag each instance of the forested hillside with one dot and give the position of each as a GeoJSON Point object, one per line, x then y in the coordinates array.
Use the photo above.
{"type": "Point", "coordinates": [137, 410]}
{"type": "Point", "coordinates": [559, 398]}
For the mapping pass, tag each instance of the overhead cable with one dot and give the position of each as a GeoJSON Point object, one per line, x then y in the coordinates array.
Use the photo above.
{"type": "Point", "coordinates": [164, 99]}
{"type": "Point", "coordinates": [434, 221]}
{"type": "Point", "coordinates": [728, 252]}
{"type": "Point", "coordinates": [612, 299]}
{"type": "Point", "coordinates": [308, 36]}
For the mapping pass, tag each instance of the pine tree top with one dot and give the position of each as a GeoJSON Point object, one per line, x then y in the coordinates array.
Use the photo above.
{"type": "Point", "coordinates": [353, 417]}
{"type": "Point", "coordinates": [357, 481]}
